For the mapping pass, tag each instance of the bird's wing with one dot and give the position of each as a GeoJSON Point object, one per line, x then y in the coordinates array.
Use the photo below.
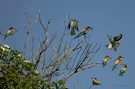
{"type": "Point", "coordinates": [77, 26]}
{"type": "Point", "coordinates": [96, 81]}
{"type": "Point", "coordinates": [80, 34]}
{"type": "Point", "coordinates": [69, 25]}
{"type": "Point", "coordinates": [110, 46]}
{"type": "Point", "coordinates": [117, 38]}
{"type": "Point", "coordinates": [117, 62]}
{"type": "Point", "coordinates": [84, 30]}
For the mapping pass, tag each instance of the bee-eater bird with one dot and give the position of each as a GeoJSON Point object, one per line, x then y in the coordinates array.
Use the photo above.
{"type": "Point", "coordinates": [9, 32]}
{"type": "Point", "coordinates": [114, 42]}
{"type": "Point", "coordinates": [95, 81]}
{"type": "Point", "coordinates": [105, 60]}
{"type": "Point", "coordinates": [123, 70]}
{"type": "Point", "coordinates": [117, 62]}
{"type": "Point", "coordinates": [84, 31]}
{"type": "Point", "coordinates": [73, 24]}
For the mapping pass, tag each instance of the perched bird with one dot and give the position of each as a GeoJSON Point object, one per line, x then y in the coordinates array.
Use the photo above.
{"type": "Point", "coordinates": [123, 70]}
{"type": "Point", "coordinates": [84, 31]}
{"type": "Point", "coordinates": [73, 24]}
{"type": "Point", "coordinates": [9, 32]}
{"type": "Point", "coordinates": [113, 42]}
{"type": "Point", "coordinates": [117, 62]}
{"type": "Point", "coordinates": [95, 81]}
{"type": "Point", "coordinates": [105, 60]}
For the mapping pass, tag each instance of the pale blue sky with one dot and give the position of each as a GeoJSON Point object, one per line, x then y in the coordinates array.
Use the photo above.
{"type": "Point", "coordinates": [108, 17]}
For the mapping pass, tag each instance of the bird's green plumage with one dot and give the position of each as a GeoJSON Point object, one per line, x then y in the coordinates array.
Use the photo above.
{"type": "Point", "coordinates": [80, 34]}
{"type": "Point", "coordinates": [115, 66]}
{"type": "Point", "coordinates": [83, 32]}
{"type": "Point", "coordinates": [104, 63]}
{"type": "Point", "coordinates": [114, 42]}
{"type": "Point", "coordinates": [72, 32]}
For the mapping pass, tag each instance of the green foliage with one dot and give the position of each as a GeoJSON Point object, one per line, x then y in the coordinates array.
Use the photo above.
{"type": "Point", "coordinates": [17, 73]}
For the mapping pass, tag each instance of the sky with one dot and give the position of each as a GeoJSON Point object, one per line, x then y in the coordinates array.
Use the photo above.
{"type": "Point", "coordinates": [108, 17]}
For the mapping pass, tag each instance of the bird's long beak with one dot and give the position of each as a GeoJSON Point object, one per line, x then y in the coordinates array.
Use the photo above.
{"type": "Point", "coordinates": [110, 57]}
{"type": "Point", "coordinates": [92, 28]}
{"type": "Point", "coordinates": [108, 36]}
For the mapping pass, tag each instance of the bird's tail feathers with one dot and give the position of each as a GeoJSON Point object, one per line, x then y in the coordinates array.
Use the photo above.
{"type": "Point", "coordinates": [72, 31]}
{"type": "Point", "coordinates": [113, 67]}
{"type": "Point", "coordinates": [78, 36]}
{"type": "Point", "coordinates": [115, 48]}
{"type": "Point", "coordinates": [104, 64]}
{"type": "Point", "coordinates": [120, 74]}
{"type": "Point", "coordinates": [118, 44]}
{"type": "Point", "coordinates": [98, 84]}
